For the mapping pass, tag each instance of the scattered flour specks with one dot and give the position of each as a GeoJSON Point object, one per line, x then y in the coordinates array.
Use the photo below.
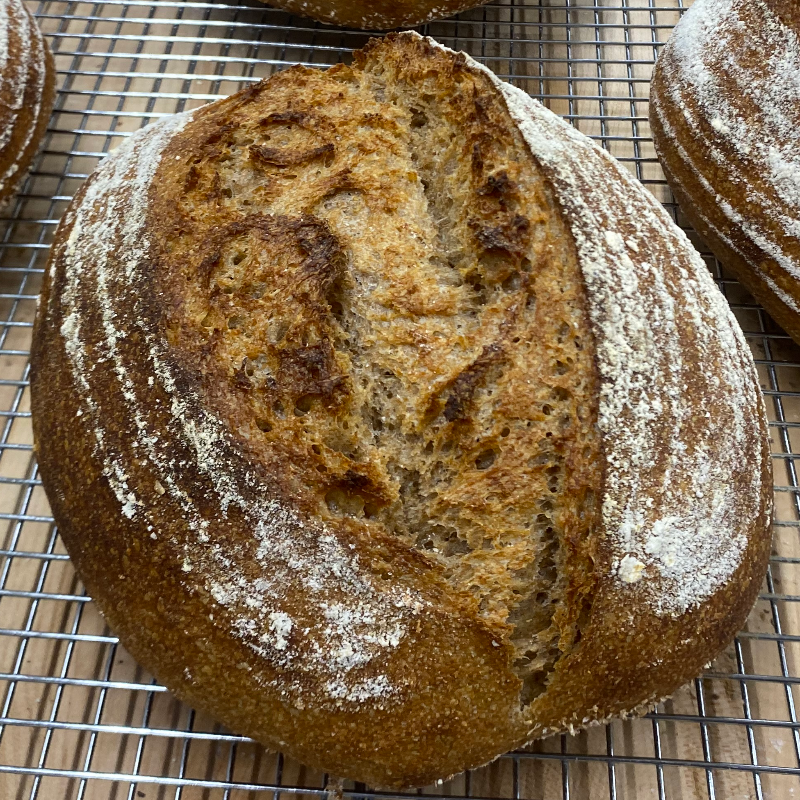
{"type": "Point", "coordinates": [690, 541]}
{"type": "Point", "coordinates": [631, 569]}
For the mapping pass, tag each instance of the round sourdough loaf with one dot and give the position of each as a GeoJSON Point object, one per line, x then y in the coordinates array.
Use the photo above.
{"type": "Point", "coordinates": [27, 93]}
{"type": "Point", "coordinates": [375, 14]}
{"type": "Point", "coordinates": [725, 114]}
{"type": "Point", "coordinates": [393, 423]}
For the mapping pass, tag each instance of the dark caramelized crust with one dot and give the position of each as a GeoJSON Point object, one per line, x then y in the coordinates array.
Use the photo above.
{"type": "Point", "coordinates": [376, 14]}
{"type": "Point", "coordinates": [27, 93]}
{"type": "Point", "coordinates": [340, 392]}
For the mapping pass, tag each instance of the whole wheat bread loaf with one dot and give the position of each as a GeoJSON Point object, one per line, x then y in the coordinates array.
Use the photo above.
{"type": "Point", "coordinates": [393, 423]}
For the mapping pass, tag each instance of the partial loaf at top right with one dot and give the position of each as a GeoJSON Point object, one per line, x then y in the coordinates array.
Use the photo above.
{"type": "Point", "coordinates": [725, 115]}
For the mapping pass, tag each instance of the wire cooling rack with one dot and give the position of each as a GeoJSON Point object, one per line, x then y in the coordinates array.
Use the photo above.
{"type": "Point", "coordinates": [78, 718]}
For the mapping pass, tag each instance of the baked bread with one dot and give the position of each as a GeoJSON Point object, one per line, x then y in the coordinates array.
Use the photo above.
{"type": "Point", "coordinates": [404, 425]}
{"type": "Point", "coordinates": [377, 14]}
{"type": "Point", "coordinates": [725, 115]}
{"type": "Point", "coordinates": [27, 93]}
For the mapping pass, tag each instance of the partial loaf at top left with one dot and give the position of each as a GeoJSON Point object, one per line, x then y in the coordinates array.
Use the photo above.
{"type": "Point", "coordinates": [27, 93]}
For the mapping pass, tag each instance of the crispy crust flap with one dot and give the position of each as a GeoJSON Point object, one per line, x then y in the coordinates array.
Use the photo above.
{"type": "Point", "coordinates": [165, 512]}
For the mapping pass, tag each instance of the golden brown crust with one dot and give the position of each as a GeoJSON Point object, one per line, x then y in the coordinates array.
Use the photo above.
{"type": "Point", "coordinates": [27, 93]}
{"type": "Point", "coordinates": [375, 15]}
{"type": "Point", "coordinates": [730, 153]}
{"type": "Point", "coordinates": [338, 358]}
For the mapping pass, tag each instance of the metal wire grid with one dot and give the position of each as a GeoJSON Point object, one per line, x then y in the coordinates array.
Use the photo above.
{"type": "Point", "coordinates": [78, 718]}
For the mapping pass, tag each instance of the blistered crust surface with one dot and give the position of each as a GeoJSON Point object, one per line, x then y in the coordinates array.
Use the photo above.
{"type": "Point", "coordinates": [397, 314]}
{"type": "Point", "coordinates": [725, 100]}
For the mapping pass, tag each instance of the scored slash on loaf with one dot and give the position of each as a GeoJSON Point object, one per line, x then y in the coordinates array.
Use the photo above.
{"type": "Point", "coordinates": [406, 426]}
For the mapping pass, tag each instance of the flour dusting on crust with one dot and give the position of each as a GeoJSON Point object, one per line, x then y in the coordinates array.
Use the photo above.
{"type": "Point", "coordinates": [349, 621]}
{"type": "Point", "coordinates": [4, 25]}
{"type": "Point", "coordinates": [673, 509]}
{"type": "Point", "coordinates": [747, 89]}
